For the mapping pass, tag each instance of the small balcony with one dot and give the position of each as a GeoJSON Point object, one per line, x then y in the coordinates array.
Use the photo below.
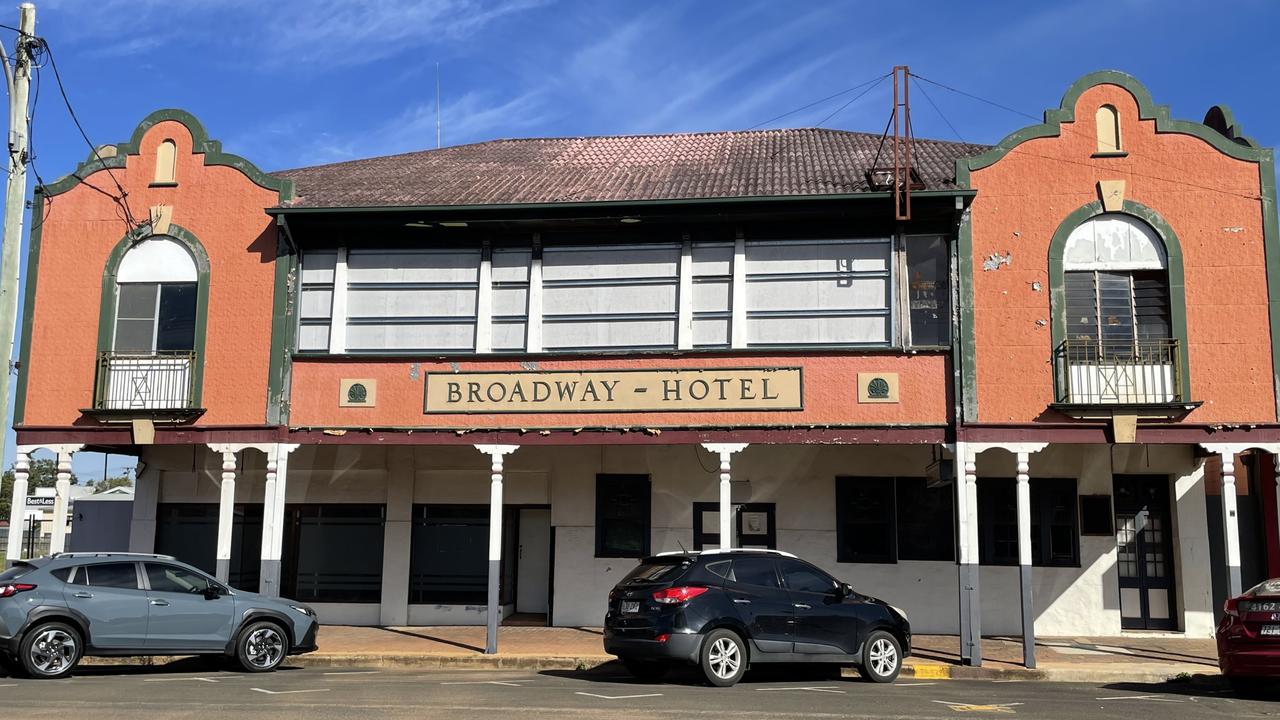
{"type": "Point", "coordinates": [1100, 377]}
{"type": "Point", "coordinates": [159, 386]}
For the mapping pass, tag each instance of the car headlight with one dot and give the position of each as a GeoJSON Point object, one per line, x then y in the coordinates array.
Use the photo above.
{"type": "Point", "coordinates": [900, 611]}
{"type": "Point", "coordinates": [304, 610]}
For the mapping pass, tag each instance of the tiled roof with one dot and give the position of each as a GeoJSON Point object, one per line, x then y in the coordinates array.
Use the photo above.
{"type": "Point", "coordinates": [629, 168]}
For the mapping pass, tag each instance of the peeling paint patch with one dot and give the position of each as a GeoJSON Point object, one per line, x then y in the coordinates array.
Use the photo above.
{"type": "Point", "coordinates": [1236, 229]}
{"type": "Point", "coordinates": [455, 367]}
{"type": "Point", "coordinates": [415, 371]}
{"type": "Point", "coordinates": [995, 260]}
{"type": "Point", "coordinates": [1035, 286]}
{"type": "Point", "coordinates": [529, 364]}
{"type": "Point", "coordinates": [1042, 322]}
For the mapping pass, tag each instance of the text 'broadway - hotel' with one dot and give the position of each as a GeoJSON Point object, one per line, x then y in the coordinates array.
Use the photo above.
{"type": "Point", "coordinates": [389, 387]}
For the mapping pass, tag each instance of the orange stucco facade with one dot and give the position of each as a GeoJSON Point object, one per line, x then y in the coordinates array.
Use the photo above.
{"type": "Point", "coordinates": [223, 209]}
{"type": "Point", "coordinates": [830, 393]}
{"type": "Point", "coordinates": [1211, 202]}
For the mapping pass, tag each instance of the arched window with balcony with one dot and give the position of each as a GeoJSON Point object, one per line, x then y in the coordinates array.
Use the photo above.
{"type": "Point", "coordinates": [155, 294]}
{"type": "Point", "coordinates": [1119, 316]}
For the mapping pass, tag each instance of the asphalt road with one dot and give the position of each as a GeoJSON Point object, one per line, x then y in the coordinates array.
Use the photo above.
{"type": "Point", "coordinates": [189, 689]}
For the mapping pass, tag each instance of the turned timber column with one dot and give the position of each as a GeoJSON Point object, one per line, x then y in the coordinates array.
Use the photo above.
{"type": "Point", "coordinates": [18, 511]}
{"type": "Point", "coordinates": [493, 610]}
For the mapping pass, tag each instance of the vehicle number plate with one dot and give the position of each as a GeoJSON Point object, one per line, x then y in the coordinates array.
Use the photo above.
{"type": "Point", "coordinates": [633, 606]}
{"type": "Point", "coordinates": [1271, 629]}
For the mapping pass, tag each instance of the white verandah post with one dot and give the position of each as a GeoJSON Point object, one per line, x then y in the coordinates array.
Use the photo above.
{"type": "Point", "coordinates": [493, 610]}
{"type": "Point", "coordinates": [725, 451]}
{"type": "Point", "coordinates": [18, 511]}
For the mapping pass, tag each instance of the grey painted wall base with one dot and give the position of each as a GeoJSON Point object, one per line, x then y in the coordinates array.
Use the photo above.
{"type": "Point", "coordinates": [970, 616]}
{"type": "Point", "coordinates": [270, 584]}
{"type": "Point", "coordinates": [494, 609]}
{"type": "Point", "coordinates": [1028, 618]}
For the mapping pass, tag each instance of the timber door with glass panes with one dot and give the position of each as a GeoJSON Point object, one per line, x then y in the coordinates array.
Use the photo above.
{"type": "Point", "coordinates": [1144, 541]}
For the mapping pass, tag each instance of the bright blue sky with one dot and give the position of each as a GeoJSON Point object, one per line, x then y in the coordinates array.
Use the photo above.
{"type": "Point", "coordinates": [293, 83]}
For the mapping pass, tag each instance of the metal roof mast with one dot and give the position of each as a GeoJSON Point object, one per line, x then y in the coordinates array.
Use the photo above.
{"type": "Point", "coordinates": [903, 142]}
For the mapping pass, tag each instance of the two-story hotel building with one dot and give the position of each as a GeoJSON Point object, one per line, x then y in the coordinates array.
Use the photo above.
{"type": "Point", "coordinates": [458, 385]}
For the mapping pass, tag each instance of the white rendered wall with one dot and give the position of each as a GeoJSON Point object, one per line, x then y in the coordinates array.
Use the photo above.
{"type": "Point", "coordinates": [799, 479]}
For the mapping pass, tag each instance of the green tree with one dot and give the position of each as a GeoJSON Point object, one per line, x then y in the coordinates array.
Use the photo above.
{"type": "Point", "coordinates": [112, 482]}
{"type": "Point", "coordinates": [44, 473]}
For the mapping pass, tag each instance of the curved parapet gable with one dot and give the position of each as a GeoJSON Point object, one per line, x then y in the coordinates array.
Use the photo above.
{"type": "Point", "coordinates": [1147, 110]}
{"type": "Point", "coordinates": [114, 156]}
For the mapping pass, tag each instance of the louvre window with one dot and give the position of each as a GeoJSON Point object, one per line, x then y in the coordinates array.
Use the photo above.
{"type": "Point", "coordinates": [316, 304]}
{"type": "Point", "coordinates": [622, 296]}
{"type": "Point", "coordinates": [412, 300]}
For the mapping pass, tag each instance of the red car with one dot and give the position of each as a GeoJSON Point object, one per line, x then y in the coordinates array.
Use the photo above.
{"type": "Point", "coordinates": [1249, 637]}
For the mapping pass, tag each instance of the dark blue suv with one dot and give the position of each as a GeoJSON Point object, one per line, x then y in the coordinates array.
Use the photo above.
{"type": "Point", "coordinates": [55, 610]}
{"type": "Point", "coordinates": [725, 610]}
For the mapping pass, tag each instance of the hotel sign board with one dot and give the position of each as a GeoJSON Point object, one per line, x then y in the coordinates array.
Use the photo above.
{"type": "Point", "coordinates": [614, 391]}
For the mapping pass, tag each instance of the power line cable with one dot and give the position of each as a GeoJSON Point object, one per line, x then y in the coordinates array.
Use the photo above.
{"type": "Point", "coordinates": [846, 91]}
{"type": "Point", "coordinates": [121, 200]}
{"type": "Point", "coordinates": [941, 115]}
{"type": "Point", "coordinates": [1064, 128]}
{"type": "Point", "coordinates": [852, 100]}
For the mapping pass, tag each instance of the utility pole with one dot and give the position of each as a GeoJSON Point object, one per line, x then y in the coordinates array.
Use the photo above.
{"type": "Point", "coordinates": [18, 81]}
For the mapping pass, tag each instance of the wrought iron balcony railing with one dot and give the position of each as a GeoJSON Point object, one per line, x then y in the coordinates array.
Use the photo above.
{"type": "Point", "coordinates": [1118, 372]}
{"type": "Point", "coordinates": [145, 381]}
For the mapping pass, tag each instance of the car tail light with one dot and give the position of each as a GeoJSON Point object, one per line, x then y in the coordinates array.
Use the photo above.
{"type": "Point", "coordinates": [14, 589]}
{"type": "Point", "coordinates": [663, 637]}
{"type": "Point", "coordinates": [677, 595]}
{"type": "Point", "coordinates": [1232, 607]}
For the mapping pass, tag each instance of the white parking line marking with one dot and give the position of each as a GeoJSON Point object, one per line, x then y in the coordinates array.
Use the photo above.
{"type": "Point", "coordinates": [1007, 708]}
{"type": "Point", "coordinates": [507, 683]}
{"type": "Point", "coordinates": [1152, 698]}
{"type": "Point", "coordinates": [200, 679]}
{"type": "Point", "coordinates": [1006, 681]}
{"type": "Point", "coordinates": [355, 672]}
{"type": "Point", "coordinates": [823, 689]}
{"type": "Point", "coordinates": [618, 697]}
{"type": "Point", "coordinates": [287, 692]}
{"type": "Point", "coordinates": [10, 685]}
{"type": "Point", "coordinates": [911, 684]}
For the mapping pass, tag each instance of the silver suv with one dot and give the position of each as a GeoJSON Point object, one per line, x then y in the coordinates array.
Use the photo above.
{"type": "Point", "coordinates": [55, 610]}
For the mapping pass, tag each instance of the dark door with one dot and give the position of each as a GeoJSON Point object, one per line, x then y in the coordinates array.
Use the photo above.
{"type": "Point", "coordinates": [762, 603]}
{"type": "Point", "coordinates": [110, 597]}
{"type": "Point", "coordinates": [824, 623]}
{"type": "Point", "coordinates": [182, 616]}
{"type": "Point", "coordinates": [1144, 541]}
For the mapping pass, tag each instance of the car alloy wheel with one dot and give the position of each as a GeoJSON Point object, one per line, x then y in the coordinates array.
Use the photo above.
{"type": "Point", "coordinates": [724, 658]}
{"type": "Point", "coordinates": [264, 648]}
{"type": "Point", "coordinates": [53, 651]}
{"type": "Point", "coordinates": [882, 658]}
{"type": "Point", "coordinates": [50, 650]}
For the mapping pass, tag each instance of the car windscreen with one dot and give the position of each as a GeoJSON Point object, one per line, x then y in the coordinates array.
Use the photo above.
{"type": "Point", "coordinates": [655, 570]}
{"type": "Point", "coordinates": [17, 571]}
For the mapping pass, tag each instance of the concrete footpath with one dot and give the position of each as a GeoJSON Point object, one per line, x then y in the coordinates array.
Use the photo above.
{"type": "Point", "coordinates": [1070, 659]}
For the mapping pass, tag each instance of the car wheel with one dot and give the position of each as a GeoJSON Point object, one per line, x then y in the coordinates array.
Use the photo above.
{"type": "Point", "coordinates": [261, 647]}
{"type": "Point", "coordinates": [723, 658]}
{"type": "Point", "coordinates": [881, 658]}
{"type": "Point", "coordinates": [645, 670]}
{"type": "Point", "coordinates": [50, 651]}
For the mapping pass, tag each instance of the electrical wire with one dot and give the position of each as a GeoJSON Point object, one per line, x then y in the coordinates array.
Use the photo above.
{"type": "Point", "coordinates": [1066, 129]}
{"type": "Point", "coordinates": [819, 102]}
{"type": "Point", "coordinates": [941, 115]}
{"type": "Point", "coordinates": [121, 200]}
{"type": "Point", "coordinates": [854, 99]}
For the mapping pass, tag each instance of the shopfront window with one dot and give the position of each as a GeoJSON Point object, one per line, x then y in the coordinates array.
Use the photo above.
{"type": "Point", "coordinates": [333, 553]}
{"type": "Point", "coordinates": [449, 554]}
{"type": "Point", "coordinates": [623, 505]}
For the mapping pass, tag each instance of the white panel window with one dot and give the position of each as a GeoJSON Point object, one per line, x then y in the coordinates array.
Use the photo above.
{"type": "Point", "coordinates": [510, 298]}
{"type": "Point", "coordinates": [610, 296]}
{"type": "Point", "coordinates": [412, 300]}
{"type": "Point", "coordinates": [819, 292]}
{"type": "Point", "coordinates": [712, 293]}
{"type": "Point", "coordinates": [315, 301]}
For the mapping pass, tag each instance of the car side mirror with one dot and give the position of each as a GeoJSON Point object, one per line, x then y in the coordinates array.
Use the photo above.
{"type": "Point", "coordinates": [212, 593]}
{"type": "Point", "coordinates": [844, 591]}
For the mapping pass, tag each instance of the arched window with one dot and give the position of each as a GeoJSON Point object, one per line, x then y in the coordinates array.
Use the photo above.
{"type": "Point", "coordinates": [1115, 272]}
{"type": "Point", "coordinates": [1108, 120]}
{"type": "Point", "coordinates": [157, 284]}
{"type": "Point", "coordinates": [166, 163]}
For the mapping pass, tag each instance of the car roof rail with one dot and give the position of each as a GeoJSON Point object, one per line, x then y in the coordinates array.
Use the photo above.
{"type": "Point", "coordinates": [153, 556]}
{"type": "Point", "coordinates": [727, 551]}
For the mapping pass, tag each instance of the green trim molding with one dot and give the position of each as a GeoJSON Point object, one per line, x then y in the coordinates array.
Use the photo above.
{"type": "Point", "coordinates": [1173, 257]}
{"type": "Point", "coordinates": [1229, 141]}
{"type": "Point", "coordinates": [200, 144]}
{"type": "Point", "coordinates": [28, 304]}
{"type": "Point", "coordinates": [107, 307]}
{"type": "Point", "coordinates": [284, 328]}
